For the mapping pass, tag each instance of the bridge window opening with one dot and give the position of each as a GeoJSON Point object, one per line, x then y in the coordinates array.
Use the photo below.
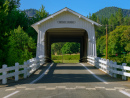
{"type": "Point", "coordinates": [65, 52]}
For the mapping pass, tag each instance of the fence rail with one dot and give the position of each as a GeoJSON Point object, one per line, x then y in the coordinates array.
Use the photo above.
{"type": "Point", "coordinates": [27, 69]}
{"type": "Point", "coordinates": [110, 67]}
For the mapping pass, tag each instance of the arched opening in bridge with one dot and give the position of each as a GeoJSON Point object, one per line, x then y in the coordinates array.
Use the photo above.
{"type": "Point", "coordinates": [66, 35]}
{"type": "Point", "coordinates": [65, 52]}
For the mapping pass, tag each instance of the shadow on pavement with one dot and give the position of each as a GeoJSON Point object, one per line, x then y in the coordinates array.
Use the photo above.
{"type": "Point", "coordinates": [77, 74]}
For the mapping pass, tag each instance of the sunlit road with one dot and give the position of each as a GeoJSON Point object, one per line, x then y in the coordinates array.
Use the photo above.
{"type": "Point", "coordinates": [67, 81]}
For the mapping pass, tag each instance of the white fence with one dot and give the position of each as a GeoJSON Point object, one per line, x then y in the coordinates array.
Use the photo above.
{"type": "Point", "coordinates": [27, 69]}
{"type": "Point", "coordinates": [110, 67]}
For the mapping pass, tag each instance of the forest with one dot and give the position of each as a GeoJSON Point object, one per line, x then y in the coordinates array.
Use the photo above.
{"type": "Point", "coordinates": [18, 39]}
{"type": "Point", "coordinates": [107, 11]}
{"type": "Point", "coordinates": [118, 37]}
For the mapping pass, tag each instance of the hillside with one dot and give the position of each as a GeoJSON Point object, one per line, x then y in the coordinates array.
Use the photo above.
{"type": "Point", "coordinates": [30, 12]}
{"type": "Point", "coordinates": [107, 11]}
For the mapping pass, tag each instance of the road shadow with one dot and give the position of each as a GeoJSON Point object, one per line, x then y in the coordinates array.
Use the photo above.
{"type": "Point", "coordinates": [61, 77]}
{"type": "Point", "coordinates": [80, 77]}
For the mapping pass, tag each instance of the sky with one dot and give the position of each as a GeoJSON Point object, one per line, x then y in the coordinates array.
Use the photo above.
{"type": "Point", "coordinates": [83, 7]}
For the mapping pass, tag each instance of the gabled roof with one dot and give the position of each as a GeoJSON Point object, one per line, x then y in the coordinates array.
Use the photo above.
{"type": "Point", "coordinates": [35, 25]}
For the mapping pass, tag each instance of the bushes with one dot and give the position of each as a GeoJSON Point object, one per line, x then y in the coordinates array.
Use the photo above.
{"type": "Point", "coordinates": [119, 59]}
{"type": "Point", "coordinates": [21, 47]}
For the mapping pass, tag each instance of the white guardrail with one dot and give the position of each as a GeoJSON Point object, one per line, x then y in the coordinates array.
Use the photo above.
{"type": "Point", "coordinates": [27, 69]}
{"type": "Point", "coordinates": [110, 67]}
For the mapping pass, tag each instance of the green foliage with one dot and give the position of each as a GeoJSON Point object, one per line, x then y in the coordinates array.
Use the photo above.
{"type": "Point", "coordinates": [70, 47]}
{"type": "Point", "coordinates": [10, 19]}
{"type": "Point", "coordinates": [56, 48]}
{"type": "Point", "coordinates": [119, 39]}
{"type": "Point", "coordinates": [65, 48]}
{"type": "Point", "coordinates": [21, 47]}
{"type": "Point", "coordinates": [101, 44]}
{"type": "Point", "coordinates": [94, 17]}
{"type": "Point", "coordinates": [37, 16]}
{"type": "Point", "coordinates": [119, 16]}
{"type": "Point", "coordinates": [118, 35]}
{"type": "Point", "coordinates": [41, 13]}
{"type": "Point", "coordinates": [108, 11]}
{"type": "Point", "coordinates": [124, 58]}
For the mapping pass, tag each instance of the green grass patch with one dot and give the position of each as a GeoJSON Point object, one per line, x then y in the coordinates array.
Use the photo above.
{"type": "Point", "coordinates": [66, 61]}
{"type": "Point", "coordinates": [66, 57]}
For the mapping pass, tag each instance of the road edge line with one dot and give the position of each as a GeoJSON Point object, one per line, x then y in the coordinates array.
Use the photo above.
{"type": "Point", "coordinates": [100, 79]}
{"type": "Point", "coordinates": [11, 94]}
{"type": "Point", "coordinates": [42, 75]}
{"type": "Point", "coordinates": [125, 93]}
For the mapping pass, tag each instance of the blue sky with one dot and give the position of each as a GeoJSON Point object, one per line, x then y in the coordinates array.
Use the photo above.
{"type": "Point", "coordinates": [83, 7]}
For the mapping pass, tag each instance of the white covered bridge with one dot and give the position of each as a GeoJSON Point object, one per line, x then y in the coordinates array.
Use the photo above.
{"type": "Point", "coordinates": [66, 26]}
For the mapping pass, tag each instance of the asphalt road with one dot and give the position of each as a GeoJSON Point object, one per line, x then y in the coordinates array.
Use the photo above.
{"type": "Point", "coordinates": [67, 81]}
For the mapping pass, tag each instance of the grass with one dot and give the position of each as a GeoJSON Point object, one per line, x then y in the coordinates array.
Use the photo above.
{"type": "Point", "coordinates": [74, 58]}
{"type": "Point", "coordinates": [66, 61]}
{"type": "Point", "coordinates": [66, 57]}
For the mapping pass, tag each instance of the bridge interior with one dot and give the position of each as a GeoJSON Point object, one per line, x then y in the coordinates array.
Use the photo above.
{"type": "Point", "coordinates": [66, 35]}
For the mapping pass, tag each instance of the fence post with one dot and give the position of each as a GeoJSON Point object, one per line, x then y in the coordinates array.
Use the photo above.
{"type": "Point", "coordinates": [28, 67]}
{"type": "Point", "coordinates": [115, 69]}
{"type": "Point", "coordinates": [35, 64]}
{"type": "Point", "coordinates": [25, 69]}
{"type": "Point", "coordinates": [110, 68]}
{"type": "Point", "coordinates": [16, 71]}
{"type": "Point", "coordinates": [4, 80]}
{"type": "Point", "coordinates": [123, 77]}
{"type": "Point", "coordinates": [107, 65]}
{"type": "Point", "coordinates": [95, 61]}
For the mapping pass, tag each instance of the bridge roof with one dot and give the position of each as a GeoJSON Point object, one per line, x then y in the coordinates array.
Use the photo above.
{"type": "Point", "coordinates": [35, 25]}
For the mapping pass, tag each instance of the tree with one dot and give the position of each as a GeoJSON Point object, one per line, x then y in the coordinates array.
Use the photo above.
{"type": "Point", "coordinates": [70, 47]}
{"type": "Point", "coordinates": [21, 47]}
{"type": "Point", "coordinates": [101, 44]}
{"type": "Point", "coordinates": [10, 19]}
{"type": "Point", "coordinates": [56, 47]}
{"type": "Point", "coordinates": [4, 9]}
{"type": "Point", "coordinates": [94, 17]}
{"type": "Point", "coordinates": [127, 20]}
{"type": "Point", "coordinates": [13, 4]}
{"type": "Point", "coordinates": [119, 39]}
{"type": "Point", "coordinates": [119, 17]}
{"type": "Point", "coordinates": [41, 13]}
{"type": "Point", "coordinates": [113, 22]}
{"type": "Point", "coordinates": [125, 38]}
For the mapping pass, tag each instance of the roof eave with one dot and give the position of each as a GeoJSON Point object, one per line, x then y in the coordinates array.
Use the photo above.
{"type": "Point", "coordinates": [65, 9]}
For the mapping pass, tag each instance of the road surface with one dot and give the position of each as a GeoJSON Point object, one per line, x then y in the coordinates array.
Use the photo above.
{"type": "Point", "coordinates": [79, 80]}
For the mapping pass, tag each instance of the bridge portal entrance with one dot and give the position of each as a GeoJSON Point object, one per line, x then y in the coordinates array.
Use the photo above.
{"type": "Point", "coordinates": [66, 26]}
{"type": "Point", "coordinates": [67, 35]}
